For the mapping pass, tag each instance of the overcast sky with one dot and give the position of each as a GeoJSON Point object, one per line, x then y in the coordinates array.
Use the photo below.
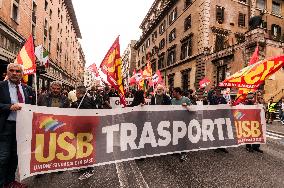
{"type": "Point", "coordinates": [101, 21]}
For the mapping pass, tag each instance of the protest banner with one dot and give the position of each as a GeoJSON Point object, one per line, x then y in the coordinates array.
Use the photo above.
{"type": "Point", "coordinates": [115, 102]}
{"type": "Point", "coordinates": [55, 139]}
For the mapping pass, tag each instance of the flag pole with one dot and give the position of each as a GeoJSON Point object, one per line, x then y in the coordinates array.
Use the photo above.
{"type": "Point", "coordinates": [35, 81]}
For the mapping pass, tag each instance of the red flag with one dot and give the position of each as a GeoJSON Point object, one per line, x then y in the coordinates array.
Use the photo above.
{"type": "Point", "coordinates": [26, 57]}
{"type": "Point", "coordinates": [111, 66]}
{"type": "Point", "coordinates": [204, 82]}
{"type": "Point", "coordinates": [254, 75]}
{"type": "Point", "coordinates": [157, 78]}
{"type": "Point", "coordinates": [254, 57]}
{"type": "Point", "coordinates": [94, 69]}
{"type": "Point", "coordinates": [132, 80]}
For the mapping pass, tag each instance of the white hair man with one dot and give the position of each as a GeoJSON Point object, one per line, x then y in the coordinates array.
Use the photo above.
{"type": "Point", "coordinates": [12, 93]}
{"type": "Point", "coordinates": [160, 97]}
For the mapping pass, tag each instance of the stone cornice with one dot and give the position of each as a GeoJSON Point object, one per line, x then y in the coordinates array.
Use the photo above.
{"type": "Point", "coordinates": [72, 15]}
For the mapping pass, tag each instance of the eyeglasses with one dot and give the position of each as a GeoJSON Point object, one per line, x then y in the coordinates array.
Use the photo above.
{"type": "Point", "coordinates": [13, 70]}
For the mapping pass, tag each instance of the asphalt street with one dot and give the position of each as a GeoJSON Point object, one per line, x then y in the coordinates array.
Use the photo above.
{"type": "Point", "coordinates": [209, 168]}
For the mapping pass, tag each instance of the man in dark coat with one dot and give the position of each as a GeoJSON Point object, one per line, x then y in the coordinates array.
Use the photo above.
{"type": "Point", "coordinates": [54, 98]}
{"type": "Point", "coordinates": [12, 93]}
{"type": "Point", "coordinates": [160, 98]}
{"type": "Point", "coordinates": [83, 101]}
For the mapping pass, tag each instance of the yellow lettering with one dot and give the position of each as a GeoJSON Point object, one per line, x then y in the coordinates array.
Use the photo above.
{"type": "Point", "coordinates": [254, 75]}
{"type": "Point", "coordinates": [255, 129]}
{"type": "Point", "coordinates": [62, 143]}
{"type": "Point", "coordinates": [246, 129]}
{"type": "Point", "coordinates": [39, 151]}
{"type": "Point", "coordinates": [83, 141]}
{"type": "Point", "coordinates": [238, 124]}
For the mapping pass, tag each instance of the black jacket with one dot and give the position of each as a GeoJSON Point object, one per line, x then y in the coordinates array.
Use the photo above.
{"type": "Point", "coordinates": [5, 100]}
{"type": "Point", "coordinates": [88, 103]}
{"type": "Point", "coordinates": [166, 100]}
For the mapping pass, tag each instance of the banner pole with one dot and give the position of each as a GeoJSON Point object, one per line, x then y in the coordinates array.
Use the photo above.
{"type": "Point", "coordinates": [35, 81]}
{"type": "Point", "coordinates": [82, 100]}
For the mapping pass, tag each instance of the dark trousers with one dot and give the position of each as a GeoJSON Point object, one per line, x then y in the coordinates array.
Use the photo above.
{"type": "Point", "coordinates": [8, 153]}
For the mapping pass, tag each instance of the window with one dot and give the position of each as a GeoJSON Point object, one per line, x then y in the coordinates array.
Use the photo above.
{"type": "Point", "coordinates": [58, 12]}
{"type": "Point", "coordinates": [172, 35]}
{"type": "Point", "coordinates": [173, 16]}
{"type": "Point", "coordinates": [187, 23]}
{"type": "Point", "coordinates": [50, 14]}
{"type": "Point", "coordinates": [161, 63]}
{"type": "Point", "coordinates": [187, 3]}
{"type": "Point", "coordinates": [260, 4]}
{"type": "Point", "coordinates": [171, 56]}
{"type": "Point", "coordinates": [220, 14]}
{"type": "Point", "coordinates": [45, 5]}
{"type": "Point", "coordinates": [276, 9]}
{"type": "Point", "coordinates": [219, 42]}
{"type": "Point", "coordinates": [15, 11]}
{"type": "Point", "coordinates": [148, 43]}
{"type": "Point", "coordinates": [171, 81]}
{"type": "Point", "coordinates": [34, 12]}
{"type": "Point", "coordinates": [186, 48]}
{"type": "Point", "coordinates": [143, 48]}
{"type": "Point", "coordinates": [185, 79]}
{"type": "Point", "coordinates": [221, 73]}
{"type": "Point", "coordinates": [154, 66]}
{"type": "Point", "coordinates": [242, 20]}
{"type": "Point", "coordinates": [276, 31]}
{"type": "Point", "coordinates": [34, 31]}
{"type": "Point", "coordinates": [50, 38]}
{"type": "Point", "coordinates": [162, 27]}
{"type": "Point", "coordinates": [162, 44]}
{"type": "Point", "coordinates": [154, 36]}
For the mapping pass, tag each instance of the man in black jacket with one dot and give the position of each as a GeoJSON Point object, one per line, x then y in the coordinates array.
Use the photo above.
{"type": "Point", "coordinates": [160, 98]}
{"type": "Point", "coordinates": [12, 93]}
{"type": "Point", "coordinates": [83, 101]}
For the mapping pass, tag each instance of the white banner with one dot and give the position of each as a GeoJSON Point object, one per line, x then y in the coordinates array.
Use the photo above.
{"type": "Point", "coordinates": [115, 102]}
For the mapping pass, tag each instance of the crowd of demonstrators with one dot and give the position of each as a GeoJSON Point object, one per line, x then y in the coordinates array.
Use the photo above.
{"type": "Point", "coordinates": [95, 98]}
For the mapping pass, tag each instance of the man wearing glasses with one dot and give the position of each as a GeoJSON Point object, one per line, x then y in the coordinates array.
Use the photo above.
{"type": "Point", "coordinates": [12, 94]}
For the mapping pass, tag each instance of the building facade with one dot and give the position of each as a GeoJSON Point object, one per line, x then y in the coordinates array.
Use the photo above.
{"type": "Point", "coordinates": [191, 39]}
{"type": "Point", "coordinates": [89, 78]}
{"type": "Point", "coordinates": [53, 24]}
{"type": "Point", "coordinates": [128, 59]}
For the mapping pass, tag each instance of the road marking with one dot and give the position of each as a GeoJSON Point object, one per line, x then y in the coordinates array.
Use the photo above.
{"type": "Point", "coordinates": [274, 135]}
{"type": "Point", "coordinates": [122, 174]}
